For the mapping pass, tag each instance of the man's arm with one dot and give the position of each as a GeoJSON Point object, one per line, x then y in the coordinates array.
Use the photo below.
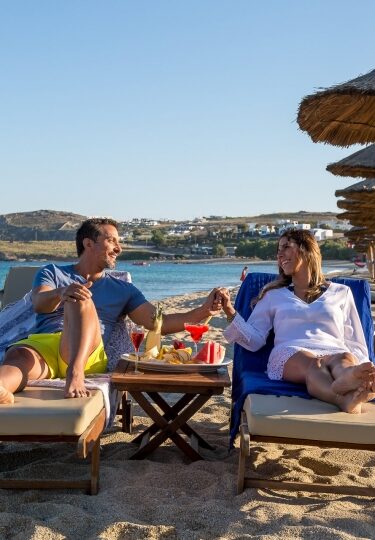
{"type": "Point", "coordinates": [145, 313]}
{"type": "Point", "coordinates": [46, 299]}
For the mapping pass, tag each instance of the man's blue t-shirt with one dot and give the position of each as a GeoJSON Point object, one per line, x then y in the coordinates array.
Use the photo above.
{"type": "Point", "coordinates": [112, 298]}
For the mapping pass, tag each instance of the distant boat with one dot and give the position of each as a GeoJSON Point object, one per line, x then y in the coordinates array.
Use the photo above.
{"type": "Point", "coordinates": [141, 263]}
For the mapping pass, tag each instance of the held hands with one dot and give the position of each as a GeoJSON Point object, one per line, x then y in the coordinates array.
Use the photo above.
{"type": "Point", "coordinates": [213, 303]}
{"type": "Point", "coordinates": [76, 292]}
{"type": "Point", "coordinates": [226, 301]}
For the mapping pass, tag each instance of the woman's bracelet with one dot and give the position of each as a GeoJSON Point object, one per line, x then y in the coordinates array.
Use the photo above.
{"type": "Point", "coordinates": [231, 317]}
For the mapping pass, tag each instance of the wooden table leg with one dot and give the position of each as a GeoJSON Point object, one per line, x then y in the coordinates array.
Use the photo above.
{"type": "Point", "coordinates": [169, 429]}
{"type": "Point", "coordinates": [126, 413]}
{"type": "Point", "coordinates": [170, 413]}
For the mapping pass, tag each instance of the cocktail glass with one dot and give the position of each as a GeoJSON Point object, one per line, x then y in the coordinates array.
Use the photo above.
{"type": "Point", "coordinates": [196, 331]}
{"type": "Point", "coordinates": [137, 333]}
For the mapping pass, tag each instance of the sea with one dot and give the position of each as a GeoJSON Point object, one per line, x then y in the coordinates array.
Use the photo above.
{"type": "Point", "coordinates": [162, 280]}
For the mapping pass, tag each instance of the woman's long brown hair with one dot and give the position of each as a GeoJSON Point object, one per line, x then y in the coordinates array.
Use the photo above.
{"type": "Point", "coordinates": [310, 252]}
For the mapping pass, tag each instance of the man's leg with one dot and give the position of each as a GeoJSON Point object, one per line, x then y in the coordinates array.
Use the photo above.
{"type": "Point", "coordinates": [80, 337]}
{"type": "Point", "coordinates": [21, 363]}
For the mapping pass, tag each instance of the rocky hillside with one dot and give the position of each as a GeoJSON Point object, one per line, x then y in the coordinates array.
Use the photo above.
{"type": "Point", "coordinates": [39, 225]}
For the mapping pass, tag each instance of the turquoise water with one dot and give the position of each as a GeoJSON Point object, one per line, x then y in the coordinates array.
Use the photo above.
{"type": "Point", "coordinates": [161, 280]}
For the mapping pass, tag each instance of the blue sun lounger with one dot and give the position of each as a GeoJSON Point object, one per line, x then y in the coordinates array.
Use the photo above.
{"type": "Point", "coordinates": [267, 410]}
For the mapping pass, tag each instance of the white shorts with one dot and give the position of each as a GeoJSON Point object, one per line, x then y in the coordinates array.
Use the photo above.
{"type": "Point", "coordinates": [276, 362]}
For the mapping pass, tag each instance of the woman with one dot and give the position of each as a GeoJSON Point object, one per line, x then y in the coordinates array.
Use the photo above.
{"type": "Point", "coordinates": [319, 339]}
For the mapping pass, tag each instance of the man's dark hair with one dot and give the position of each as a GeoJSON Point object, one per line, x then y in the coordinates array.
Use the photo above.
{"type": "Point", "coordinates": [91, 229]}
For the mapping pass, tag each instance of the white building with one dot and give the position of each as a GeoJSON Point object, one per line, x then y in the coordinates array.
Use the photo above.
{"type": "Point", "coordinates": [322, 234]}
{"type": "Point", "coordinates": [338, 224]}
{"type": "Point", "coordinates": [264, 230]}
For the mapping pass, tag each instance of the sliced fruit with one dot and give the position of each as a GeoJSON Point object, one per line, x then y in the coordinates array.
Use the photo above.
{"type": "Point", "coordinates": [153, 338]}
{"type": "Point", "coordinates": [210, 353]}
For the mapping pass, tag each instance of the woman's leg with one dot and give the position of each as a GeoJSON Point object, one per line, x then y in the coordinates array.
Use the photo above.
{"type": "Point", "coordinates": [303, 367]}
{"type": "Point", "coordinates": [20, 364]}
{"type": "Point", "coordinates": [347, 373]}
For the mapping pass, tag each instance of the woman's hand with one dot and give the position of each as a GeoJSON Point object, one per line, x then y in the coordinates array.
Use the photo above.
{"type": "Point", "coordinates": [226, 302]}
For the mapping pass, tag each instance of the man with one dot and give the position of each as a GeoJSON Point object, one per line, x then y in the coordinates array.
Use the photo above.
{"type": "Point", "coordinates": [77, 306]}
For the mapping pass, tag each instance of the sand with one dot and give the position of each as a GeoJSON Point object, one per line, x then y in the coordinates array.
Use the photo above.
{"type": "Point", "coordinates": [167, 497]}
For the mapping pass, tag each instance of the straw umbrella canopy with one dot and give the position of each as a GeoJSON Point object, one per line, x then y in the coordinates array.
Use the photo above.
{"type": "Point", "coordinates": [361, 218]}
{"type": "Point", "coordinates": [357, 233]}
{"type": "Point", "coordinates": [363, 240]}
{"type": "Point", "coordinates": [341, 115]}
{"type": "Point", "coordinates": [358, 191]}
{"type": "Point", "coordinates": [360, 164]}
{"type": "Point", "coordinates": [359, 202]}
{"type": "Point", "coordinates": [357, 205]}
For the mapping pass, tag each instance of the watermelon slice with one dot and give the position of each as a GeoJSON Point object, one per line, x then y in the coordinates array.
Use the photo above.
{"type": "Point", "coordinates": [210, 353]}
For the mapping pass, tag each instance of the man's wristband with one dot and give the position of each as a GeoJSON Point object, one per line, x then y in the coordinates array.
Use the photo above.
{"type": "Point", "coordinates": [231, 317]}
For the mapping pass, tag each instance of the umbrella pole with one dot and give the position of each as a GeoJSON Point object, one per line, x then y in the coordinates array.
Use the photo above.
{"type": "Point", "coordinates": [370, 261]}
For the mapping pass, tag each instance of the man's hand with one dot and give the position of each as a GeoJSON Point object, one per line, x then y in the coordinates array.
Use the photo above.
{"type": "Point", "coordinates": [76, 292]}
{"type": "Point", "coordinates": [213, 303]}
{"type": "Point", "coordinates": [226, 302]}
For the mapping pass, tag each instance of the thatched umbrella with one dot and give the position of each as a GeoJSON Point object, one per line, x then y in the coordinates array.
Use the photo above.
{"type": "Point", "coordinates": [357, 205]}
{"type": "Point", "coordinates": [359, 235]}
{"type": "Point", "coordinates": [360, 164]}
{"type": "Point", "coordinates": [365, 187]}
{"type": "Point", "coordinates": [361, 218]}
{"type": "Point", "coordinates": [360, 206]}
{"type": "Point", "coordinates": [341, 115]}
{"type": "Point", "coordinates": [363, 240]}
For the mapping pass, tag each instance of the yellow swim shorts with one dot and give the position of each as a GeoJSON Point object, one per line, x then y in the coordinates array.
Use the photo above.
{"type": "Point", "coordinates": [48, 346]}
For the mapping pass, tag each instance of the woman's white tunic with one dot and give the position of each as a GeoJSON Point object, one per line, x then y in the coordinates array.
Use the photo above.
{"type": "Point", "coordinates": [330, 323]}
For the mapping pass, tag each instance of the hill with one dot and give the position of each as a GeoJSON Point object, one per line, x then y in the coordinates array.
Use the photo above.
{"type": "Point", "coordinates": [301, 216]}
{"type": "Point", "coordinates": [39, 225]}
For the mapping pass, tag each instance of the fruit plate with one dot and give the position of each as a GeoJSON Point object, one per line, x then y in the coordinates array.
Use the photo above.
{"type": "Point", "coordinates": [157, 365]}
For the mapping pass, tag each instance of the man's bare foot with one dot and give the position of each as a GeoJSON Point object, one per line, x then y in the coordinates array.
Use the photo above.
{"type": "Point", "coordinates": [75, 387]}
{"type": "Point", "coordinates": [352, 401]}
{"type": "Point", "coordinates": [6, 397]}
{"type": "Point", "coordinates": [353, 377]}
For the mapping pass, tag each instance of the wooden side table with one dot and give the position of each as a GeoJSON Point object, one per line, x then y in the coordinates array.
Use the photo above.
{"type": "Point", "coordinates": [196, 390]}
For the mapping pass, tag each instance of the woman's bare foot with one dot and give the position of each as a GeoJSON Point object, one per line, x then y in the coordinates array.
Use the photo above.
{"type": "Point", "coordinates": [75, 387]}
{"type": "Point", "coordinates": [353, 377]}
{"type": "Point", "coordinates": [6, 397]}
{"type": "Point", "coordinates": [352, 401]}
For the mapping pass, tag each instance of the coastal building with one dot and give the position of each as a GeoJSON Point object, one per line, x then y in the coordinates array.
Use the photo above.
{"type": "Point", "coordinates": [336, 224]}
{"type": "Point", "coordinates": [322, 234]}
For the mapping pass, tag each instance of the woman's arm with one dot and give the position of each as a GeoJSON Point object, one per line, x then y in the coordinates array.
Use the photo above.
{"type": "Point", "coordinates": [251, 334]}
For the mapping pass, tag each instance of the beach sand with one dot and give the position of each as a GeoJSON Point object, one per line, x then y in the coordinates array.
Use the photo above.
{"type": "Point", "coordinates": [167, 497]}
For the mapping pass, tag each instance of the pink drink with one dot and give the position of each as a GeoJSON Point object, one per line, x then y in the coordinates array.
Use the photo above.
{"type": "Point", "coordinates": [137, 338]}
{"type": "Point", "coordinates": [196, 330]}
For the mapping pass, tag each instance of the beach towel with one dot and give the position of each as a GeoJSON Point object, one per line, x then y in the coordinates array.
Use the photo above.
{"type": "Point", "coordinates": [99, 381]}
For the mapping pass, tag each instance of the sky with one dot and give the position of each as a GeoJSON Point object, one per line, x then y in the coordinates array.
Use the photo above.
{"type": "Point", "coordinates": [172, 109]}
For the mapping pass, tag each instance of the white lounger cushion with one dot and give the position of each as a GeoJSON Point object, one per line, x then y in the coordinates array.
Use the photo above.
{"type": "Point", "coordinates": [299, 418]}
{"type": "Point", "coordinates": [45, 411]}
